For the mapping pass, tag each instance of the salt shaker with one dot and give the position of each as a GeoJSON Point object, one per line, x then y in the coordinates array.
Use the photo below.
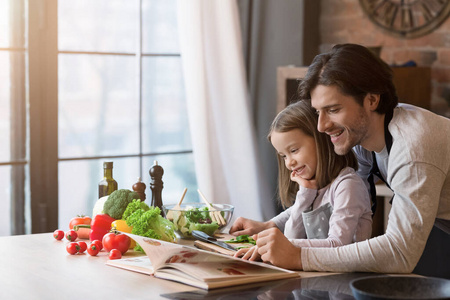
{"type": "Point", "coordinates": [139, 187]}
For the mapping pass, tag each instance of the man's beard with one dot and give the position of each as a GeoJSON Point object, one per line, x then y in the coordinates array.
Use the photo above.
{"type": "Point", "coordinates": [356, 134]}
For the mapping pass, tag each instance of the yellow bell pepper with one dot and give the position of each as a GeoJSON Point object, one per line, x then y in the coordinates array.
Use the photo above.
{"type": "Point", "coordinates": [121, 225]}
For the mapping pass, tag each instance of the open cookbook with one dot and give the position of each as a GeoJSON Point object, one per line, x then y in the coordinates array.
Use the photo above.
{"type": "Point", "coordinates": [196, 267]}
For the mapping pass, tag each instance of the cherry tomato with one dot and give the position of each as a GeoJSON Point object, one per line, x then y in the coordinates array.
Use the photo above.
{"type": "Point", "coordinates": [93, 249]}
{"type": "Point", "coordinates": [115, 254]}
{"type": "Point", "coordinates": [117, 241]}
{"type": "Point", "coordinates": [83, 246]}
{"type": "Point", "coordinates": [79, 220]}
{"type": "Point", "coordinates": [98, 244]}
{"type": "Point", "coordinates": [71, 235]}
{"type": "Point", "coordinates": [72, 248]}
{"type": "Point", "coordinates": [58, 234]}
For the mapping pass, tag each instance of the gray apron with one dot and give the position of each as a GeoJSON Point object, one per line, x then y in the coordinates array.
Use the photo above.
{"type": "Point", "coordinates": [317, 222]}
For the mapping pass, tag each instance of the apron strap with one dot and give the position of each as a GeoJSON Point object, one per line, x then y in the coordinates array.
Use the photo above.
{"type": "Point", "coordinates": [375, 170]}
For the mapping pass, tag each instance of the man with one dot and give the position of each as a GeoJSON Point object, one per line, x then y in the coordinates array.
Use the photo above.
{"type": "Point", "coordinates": [405, 146]}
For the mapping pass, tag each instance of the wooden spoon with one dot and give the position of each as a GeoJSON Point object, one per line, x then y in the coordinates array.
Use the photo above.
{"type": "Point", "coordinates": [215, 215]}
{"type": "Point", "coordinates": [169, 215]}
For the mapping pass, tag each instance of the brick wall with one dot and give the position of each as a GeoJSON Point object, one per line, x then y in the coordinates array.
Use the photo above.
{"type": "Point", "coordinates": [343, 21]}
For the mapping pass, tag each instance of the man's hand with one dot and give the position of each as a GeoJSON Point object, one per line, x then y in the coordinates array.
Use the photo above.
{"type": "Point", "coordinates": [246, 226]}
{"type": "Point", "coordinates": [276, 249]}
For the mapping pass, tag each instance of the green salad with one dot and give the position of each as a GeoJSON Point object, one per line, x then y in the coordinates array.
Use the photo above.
{"type": "Point", "coordinates": [194, 219]}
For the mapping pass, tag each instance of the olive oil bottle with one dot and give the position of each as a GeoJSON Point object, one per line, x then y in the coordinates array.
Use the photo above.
{"type": "Point", "coordinates": [108, 184]}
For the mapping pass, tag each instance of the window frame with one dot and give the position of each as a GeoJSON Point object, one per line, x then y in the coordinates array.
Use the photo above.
{"type": "Point", "coordinates": [18, 126]}
{"type": "Point", "coordinates": [43, 110]}
{"type": "Point", "coordinates": [43, 114]}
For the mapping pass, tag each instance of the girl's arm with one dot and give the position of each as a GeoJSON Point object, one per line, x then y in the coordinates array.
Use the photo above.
{"type": "Point", "coordinates": [351, 219]}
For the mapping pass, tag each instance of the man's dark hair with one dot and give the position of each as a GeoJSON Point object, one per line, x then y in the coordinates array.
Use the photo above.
{"type": "Point", "coordinates": [356, 71]}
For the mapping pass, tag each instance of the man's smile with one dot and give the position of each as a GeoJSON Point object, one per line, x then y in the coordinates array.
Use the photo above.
{"type": "Point", "coordinates": [335, 136]}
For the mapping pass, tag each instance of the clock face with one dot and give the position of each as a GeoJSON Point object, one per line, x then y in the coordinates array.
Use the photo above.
{"type": "Point", "coordinates": [407, 18]}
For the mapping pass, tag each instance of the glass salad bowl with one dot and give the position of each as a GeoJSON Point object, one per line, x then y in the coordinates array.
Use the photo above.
{"type": "Point", "coordinates": [198, 216]}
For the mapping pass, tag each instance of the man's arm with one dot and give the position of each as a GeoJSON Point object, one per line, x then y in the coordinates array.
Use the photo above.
{"type": "Point", "coordinates": [411, 219]}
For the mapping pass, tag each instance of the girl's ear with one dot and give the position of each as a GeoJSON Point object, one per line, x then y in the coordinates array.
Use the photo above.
{"type": "Point", "coordinates": [372, 100]}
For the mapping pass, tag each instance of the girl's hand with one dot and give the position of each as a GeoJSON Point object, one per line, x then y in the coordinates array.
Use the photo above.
{"type": "Point", "coordinates": [248, 253]}
{"type": "Point", "coordinates": [276, 249]}
{"type": "Point", "coordinates": [310, 184]}
{"type": "Point", "coordinates": [246, 226]}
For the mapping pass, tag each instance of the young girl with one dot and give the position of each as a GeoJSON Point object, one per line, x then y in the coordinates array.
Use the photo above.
{"type": "Point", "coordinates": [329, 205]}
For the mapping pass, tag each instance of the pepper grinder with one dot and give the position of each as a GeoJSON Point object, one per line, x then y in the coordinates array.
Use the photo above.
{"type": "Point", "coordinates": [156, 185]}
{"type": "Point", "coordinates": [139, 187]}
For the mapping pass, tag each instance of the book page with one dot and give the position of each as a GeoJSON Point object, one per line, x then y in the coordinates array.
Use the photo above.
{"type": "Point", "coordinates": [176, 275]}
{"type": "Point", "coordinates": [197, 267]}
{"type": "Point", "coordinates": [140, 264]}
{"type": "Point", "coordinates": [161, 252]}
{"type": "Point", "coordinates": [223, 270]}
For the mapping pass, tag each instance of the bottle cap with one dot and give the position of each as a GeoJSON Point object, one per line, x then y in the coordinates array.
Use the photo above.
{"type": "Point", "coordinates": [107, 165]}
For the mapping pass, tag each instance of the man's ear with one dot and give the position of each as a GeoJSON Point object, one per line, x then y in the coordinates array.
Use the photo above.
{"type": "Point", "coordinates": [372, 101]}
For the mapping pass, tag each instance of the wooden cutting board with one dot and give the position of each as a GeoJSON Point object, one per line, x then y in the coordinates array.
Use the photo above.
{"type": "Point", "coordinates": [214, 248]}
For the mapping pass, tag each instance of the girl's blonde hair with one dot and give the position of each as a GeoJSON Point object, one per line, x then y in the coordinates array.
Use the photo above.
{"type": "Point", "coordinates": [301, 115]}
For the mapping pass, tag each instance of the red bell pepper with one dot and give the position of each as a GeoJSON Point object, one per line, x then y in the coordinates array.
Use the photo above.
{"type": "Point", "coordinates": [100, 225]}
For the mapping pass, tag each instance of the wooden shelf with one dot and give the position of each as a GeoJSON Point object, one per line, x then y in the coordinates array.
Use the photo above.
{"type": "Point", "coordinates": [413, 85]}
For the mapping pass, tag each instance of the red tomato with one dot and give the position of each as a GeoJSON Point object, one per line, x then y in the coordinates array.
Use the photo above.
{"type": "Point", "coordinates": [115, 254]}
{"type": "Point", "coordinates": [58, 234]}
{"type": "Point", "coordinates": [119, 241]}
{"type": "Point", "coordinates": [71, 235]}
{"type": "Point", "coordinates": [72, 248]}
{"type": "Point", "coordinates": [83, 246]}
{"type": "Point", "coordinates": [98, 244]}
{"type": "Point", "coordinates": [80, 220]}
{"type": "Point", "coordinates": [93, 249]}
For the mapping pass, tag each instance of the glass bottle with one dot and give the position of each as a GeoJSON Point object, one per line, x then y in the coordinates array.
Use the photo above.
{"type": "Point", "coordinates": [108, 184]}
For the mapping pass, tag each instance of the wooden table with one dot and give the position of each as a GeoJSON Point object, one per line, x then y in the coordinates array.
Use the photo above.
{"type": "Point", "coordinates": [38, 267]}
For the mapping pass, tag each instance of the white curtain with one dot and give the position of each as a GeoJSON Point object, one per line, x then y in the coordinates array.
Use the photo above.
{"type": "Point", "coordinates": [223, 137]}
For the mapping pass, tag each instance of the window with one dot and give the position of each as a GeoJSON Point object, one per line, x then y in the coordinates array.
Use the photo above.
{"type": "Point", "coordinates": [13, 128]}
{"type": "Point", "coordinates": [113, 91]}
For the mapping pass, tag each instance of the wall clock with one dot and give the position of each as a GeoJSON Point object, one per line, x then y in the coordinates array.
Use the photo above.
{"type": "Point", "coordinates": [407, 18]}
